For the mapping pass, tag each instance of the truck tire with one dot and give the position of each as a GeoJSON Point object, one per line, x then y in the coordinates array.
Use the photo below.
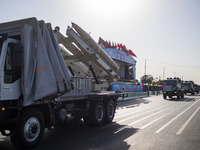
{"type": "Point", "coordinates": [29, 129]}
{"type": "Point", "coordinates": [164, 96]}
{"type": "Point", "coordinates": [182, 95]}
{"type": "Point", "coordinates": [97, 113]}
{"type": "Point", "coordinates": [109, 111]}
{"type": "Point", "coordinates": [178, 95]}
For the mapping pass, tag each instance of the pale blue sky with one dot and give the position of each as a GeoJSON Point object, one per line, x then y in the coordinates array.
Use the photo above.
{"type": "Point", "coordinates": [165, 32]}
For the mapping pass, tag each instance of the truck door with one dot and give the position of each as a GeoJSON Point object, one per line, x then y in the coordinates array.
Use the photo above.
{"type": "Point", "coordinates": [12, 72]}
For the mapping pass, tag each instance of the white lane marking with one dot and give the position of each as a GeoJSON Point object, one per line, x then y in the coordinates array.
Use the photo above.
{"type": "Point", "coordinates": [187, 122]}
{"type": "Point", "coordinates": [122, 115]}
{"type": "Point", "coordinates": [149, 116]}
{"type": "Point", "coordinates": [124, 127]}
{"type": "Point", "coordinates": [131, 117]}
{"type": "Point", "coordinates": [159, 130]}
{"type": "Point", "coordinates": [148, 124]}
{"type": "Point", "coordinates": [137, 114]}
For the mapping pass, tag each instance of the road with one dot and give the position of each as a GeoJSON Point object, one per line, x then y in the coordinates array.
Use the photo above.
{"type": "Point", "coordinates": [150, 123]}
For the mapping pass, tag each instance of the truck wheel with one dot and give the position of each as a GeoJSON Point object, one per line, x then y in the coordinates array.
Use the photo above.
{"type": "Point", "coordinates": [29, 129]}
{"type": "Point", "coordinates": [182, 95]}
{"type": "Point", "coordinates": [109, 111]}
{"type": "Point", "coordinates": [164, 96]}
{"type": "Point", "coordinates": [178, 95]}
{"type": "Point", "coordinates": [97, 113]}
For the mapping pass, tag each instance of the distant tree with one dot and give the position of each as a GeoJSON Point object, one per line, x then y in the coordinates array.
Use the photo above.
{"type": "Point", "coordinates": [147, 79]}
{"type": "Point", "coordinates": [159, 82]}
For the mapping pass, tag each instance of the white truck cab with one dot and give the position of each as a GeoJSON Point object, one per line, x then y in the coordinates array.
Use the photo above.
{"type": "Point", "coordinates": [10, 68]}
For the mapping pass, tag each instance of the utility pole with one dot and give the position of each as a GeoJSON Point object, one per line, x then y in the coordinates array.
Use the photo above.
{"type": "Point", "coordinates": [145, 67]}
{"type": "Point", "coordinates": [145, 73]}
{"type": "Point", "coordinates": [164, 73]}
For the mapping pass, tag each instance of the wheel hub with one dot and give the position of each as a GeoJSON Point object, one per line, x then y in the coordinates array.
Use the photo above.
{"type": "Point", "coordinates": [31, 129]}
{"type": "Point", "coordinates": [34, 128]}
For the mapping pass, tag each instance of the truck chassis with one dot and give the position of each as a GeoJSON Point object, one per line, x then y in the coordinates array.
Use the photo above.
{"type": "Point", "coordinates": [27, 124]}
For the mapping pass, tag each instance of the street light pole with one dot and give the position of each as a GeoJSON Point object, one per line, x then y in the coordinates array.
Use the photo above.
{"type": "Point", "coordinates": [164, 73]}
{"type": "Point", "coordinates": [145, 67]}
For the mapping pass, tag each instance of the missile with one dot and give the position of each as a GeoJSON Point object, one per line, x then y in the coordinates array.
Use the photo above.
{"type": "Point", "coordinates": [91, 42]}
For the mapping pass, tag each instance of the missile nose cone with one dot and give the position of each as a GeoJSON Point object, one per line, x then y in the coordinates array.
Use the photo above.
{"type": "Point", "coordinates": [73, 24]}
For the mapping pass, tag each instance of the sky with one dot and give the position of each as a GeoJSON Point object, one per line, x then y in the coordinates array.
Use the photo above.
{"type": "Point", "coordinates": [165, 33]}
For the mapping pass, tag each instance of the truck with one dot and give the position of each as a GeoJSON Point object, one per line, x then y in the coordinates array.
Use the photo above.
{"type": "Point", "coordinates": [172, 87]}
{"type": "Point", "coordinates": [188, 87]}
{"type": "Point", "coordinates": [47, 78]}
{"type": "Point", "coordinates": [196, 87]}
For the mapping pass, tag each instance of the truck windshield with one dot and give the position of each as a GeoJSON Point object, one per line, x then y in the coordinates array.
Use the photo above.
{"type": "Point", "coordinates": [170, 82]}
{"type": "Point", "coordinates": [187, 84]}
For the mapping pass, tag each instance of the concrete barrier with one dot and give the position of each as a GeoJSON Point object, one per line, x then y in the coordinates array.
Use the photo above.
{"type": "Point", "coordinates": [155, 92]}
{"type": "Point", "coordinates": [138, 95]}
{"type": "Point", "coordinates": [134, 95]}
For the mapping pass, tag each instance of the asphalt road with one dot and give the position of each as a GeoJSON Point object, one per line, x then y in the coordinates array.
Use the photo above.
{"type": "Point", "coordinates": [150, 123]}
